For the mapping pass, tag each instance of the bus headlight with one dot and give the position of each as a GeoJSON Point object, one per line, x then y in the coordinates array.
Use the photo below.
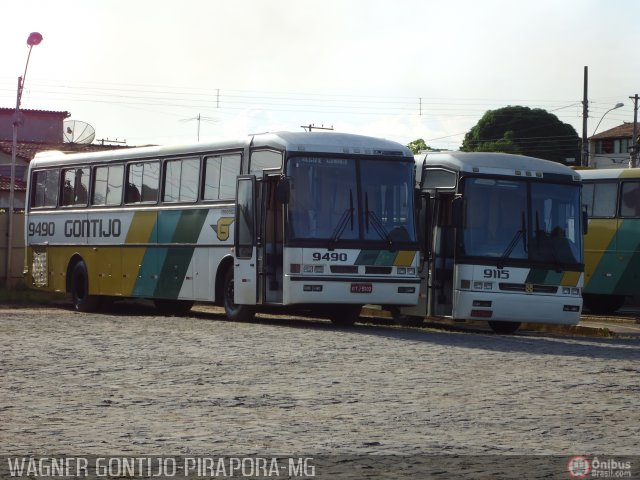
{"type": "Point", "coordinates": [483, 285]}
{"type": "Point", "coordinates": [571, 291]}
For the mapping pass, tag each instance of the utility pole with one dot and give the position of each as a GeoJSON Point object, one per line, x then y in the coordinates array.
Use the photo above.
{"type": "Point", "coordinates": [633, 161]}
{"type": "Point", "coordinates": [585, 115]}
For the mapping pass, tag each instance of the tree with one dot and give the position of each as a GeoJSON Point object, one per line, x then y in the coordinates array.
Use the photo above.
{"type": "Point", "coordinates": [533, 132]}
{"type": "Point", "coordinates": [417, 146]}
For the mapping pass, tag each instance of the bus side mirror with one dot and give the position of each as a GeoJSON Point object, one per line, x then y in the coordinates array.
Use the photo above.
{"type": "Point", "coordinates": [283, 190]}
{"type": "Point", "coordinates": [457, 212]}
{"type": "Point", "coordinates": [585, 220]}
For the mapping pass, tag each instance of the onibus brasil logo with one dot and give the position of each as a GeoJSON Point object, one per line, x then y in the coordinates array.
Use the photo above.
{"type": "Point", "coordinates": [579, 466]}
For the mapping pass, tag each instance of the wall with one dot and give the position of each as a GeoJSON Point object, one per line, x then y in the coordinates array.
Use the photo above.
{"type": "Point", "coordinates": [17, 255]}
{"type": "Point", "coordinates": [37, 126]}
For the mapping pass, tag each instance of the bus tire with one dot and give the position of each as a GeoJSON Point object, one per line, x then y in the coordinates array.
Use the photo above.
{"type": "Point", "coordinates": [345, 315]}
{"type": "Point", "coordinates": [79, 287]}
{"type": "Point", "coordinates": [234, 312]}
{"type": "Point", "coordinates": [603, 304]}
{"type": "Point", "coordinates": [504, 328]}
{"type": "Point", "coordinates": [173, 307]}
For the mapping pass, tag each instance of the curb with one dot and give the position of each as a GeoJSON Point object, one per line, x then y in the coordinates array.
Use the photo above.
{"type": "Point", "coordinates": [581, 330]}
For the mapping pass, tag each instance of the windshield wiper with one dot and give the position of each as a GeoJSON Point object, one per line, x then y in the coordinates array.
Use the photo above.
{"type": "Point", "coordinates": [345, 218]}
{"type": "Point", "coordinates": [514, 241]}
{"type": "Point", "coordinates": [550, 243]}
{"type": "Point", "coordinates": [376, 222]}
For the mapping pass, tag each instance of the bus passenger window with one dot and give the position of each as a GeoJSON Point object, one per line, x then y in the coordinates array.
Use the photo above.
{"type": "Point", "coordinates": [142, 182]}
{"type": "Point", "coordinates": [604, 199]}
{"type": "Point", "coordinates": [220, 174]}
{"type": "Point", "coordinates": [75, 187]}
{"type": "Point", "coordinates": [45, 191]}
{"type": "Point", "coordinates": [107, 185]}
{"type": "Point", "coordinates": [630, 205]}
{"type": "Point", "coordinates": [181, 180]}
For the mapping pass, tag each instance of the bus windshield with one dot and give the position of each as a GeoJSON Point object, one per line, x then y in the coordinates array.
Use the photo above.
{"type": "Point", "coordinates": [522, 220]}
{"type": "Point", "coordinates": [346, 199]}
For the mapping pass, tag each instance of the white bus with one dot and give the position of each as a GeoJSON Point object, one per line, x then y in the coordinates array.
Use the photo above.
{"type": "Point", "coordinates": [501, 240]}
{"type": "Point", "coordinates": [318, 221]}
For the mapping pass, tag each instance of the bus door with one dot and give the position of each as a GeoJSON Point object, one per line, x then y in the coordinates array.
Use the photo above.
{"type": "Point", "coordinates": [245, 244]}
{"type": "Point", "coordinates": [271, 235]}
{"type": "Point", "coordinates": [442, 257]}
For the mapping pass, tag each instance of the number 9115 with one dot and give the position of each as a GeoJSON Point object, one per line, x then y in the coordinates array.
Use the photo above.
{"type": "Point", "coordinates": [329, 257]}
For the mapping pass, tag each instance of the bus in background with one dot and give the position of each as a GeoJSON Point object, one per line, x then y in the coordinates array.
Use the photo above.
{"type": "Point", "coordinates": [320, 221]}
{"type": "Point", "coordinates": [501, 240]}
{"type": "Point", "coordinates": [611, 254]}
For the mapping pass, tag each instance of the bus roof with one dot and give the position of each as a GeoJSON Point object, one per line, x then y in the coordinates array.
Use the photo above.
{"type": "Point", "coordinates": [316, 142]}
{"type": "Point", "coordinates": [467, 161]}
{"type": "Point", "coordinates": [609, 173]}
{"type": "Point", "coordinates": [493, 163]}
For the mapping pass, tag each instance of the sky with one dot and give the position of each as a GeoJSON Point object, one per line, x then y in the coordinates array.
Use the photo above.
{"type": "Point", "coordinates": [145, 71]}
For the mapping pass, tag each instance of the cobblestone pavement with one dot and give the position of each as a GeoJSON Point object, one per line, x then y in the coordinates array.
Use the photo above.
{"type": "Point", "coordinates": [131, 382]}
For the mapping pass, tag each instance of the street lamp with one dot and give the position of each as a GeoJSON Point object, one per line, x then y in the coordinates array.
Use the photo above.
{"type": "Point", "coordinates": [34, 39]}
{"type": "Point", "coordinates": [617, 105]}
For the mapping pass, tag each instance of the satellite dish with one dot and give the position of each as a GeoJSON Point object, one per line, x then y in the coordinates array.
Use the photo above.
{"type": "Point", "coordinates": [76, 131]}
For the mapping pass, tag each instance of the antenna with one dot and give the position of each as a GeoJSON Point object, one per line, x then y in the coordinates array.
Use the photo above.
{"type": "Point", "coordinates": [77, 131]}
{"type": "Point", "coordinates": [312, 126]}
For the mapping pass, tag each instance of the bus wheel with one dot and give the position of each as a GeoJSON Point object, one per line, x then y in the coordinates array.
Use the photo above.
{"type": "Point", "coordinates": [345, 315]}
{"type": "Point", "coordinates": [603, 304]}
{"type": "Point", "coordinates": [173, 307]}
{"type": "Point", "coordinates": [237, 313]}
{"type": "Point", "coordinates": [504, 327]}
{"type": "Point", "coordinates": [79, 286]}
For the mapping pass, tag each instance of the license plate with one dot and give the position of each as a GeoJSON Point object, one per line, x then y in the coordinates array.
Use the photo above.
{"type": "Point", "coordinates": [361, 288]}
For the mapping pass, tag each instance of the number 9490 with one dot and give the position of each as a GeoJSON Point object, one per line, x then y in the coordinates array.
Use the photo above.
{"type": "Point", "coordinates": [329, 257]}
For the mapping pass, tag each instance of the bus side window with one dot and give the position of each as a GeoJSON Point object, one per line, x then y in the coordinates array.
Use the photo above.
{"type": "Point", "coordinates": [587, 197]}
{"type": "Point", "coordinates": [220, 172]}
{"type": "Point", "coordinates": [142, 182]}
{"type": "Point", "coordinates": [45, 189]}
{"type": "Point", "coordinates": [604, 199]}
{"type": "Point", "coordinates": [630, 205]}
{"type": "Point", "coordinates": [75, 187]}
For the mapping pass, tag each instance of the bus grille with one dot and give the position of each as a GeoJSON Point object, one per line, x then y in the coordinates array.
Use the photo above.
{"type": "Point", "coordinates": [522, 287]}
{"type": "Point", "coordinates": [344, 269]}
{"type": "Point", "coordinates": [377, 270]}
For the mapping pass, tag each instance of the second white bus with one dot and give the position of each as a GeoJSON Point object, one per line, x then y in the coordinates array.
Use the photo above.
{"type": "Point", "coordinates": [501, 240]}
